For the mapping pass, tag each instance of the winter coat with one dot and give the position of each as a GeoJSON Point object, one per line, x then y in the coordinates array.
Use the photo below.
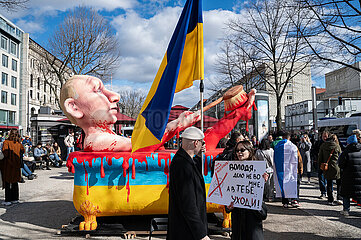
{"type": "Point", "coordinates": [350, 162]}
{"type": "Point", "coordinates": [11, 164]}
{"type": "Point", "coordinates": [305, 150]}
{"type": "Point", "coordinates": [326, 148]}
{"type": "Point", "coordinates": [227, 154]}
{"type": "Point", "coordinates": [267, 156]}
{"type": "Point", "coordinates": [187, 214]}
{"type": "Point", "coordinates": [247, 223]}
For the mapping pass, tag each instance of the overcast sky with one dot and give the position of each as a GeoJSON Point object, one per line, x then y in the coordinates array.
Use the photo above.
{"type": "Point", "coordinates": [144, 28]}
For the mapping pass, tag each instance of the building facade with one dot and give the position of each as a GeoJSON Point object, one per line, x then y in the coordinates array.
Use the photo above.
{"type": "Point", "coordinates": [26, 88]}
{"type": "Point", "coordinates": [11, 110]}
{"type": "Point", "coordinates": [297, 90]}
{"type": "Point", "coordinates": [343, 82]}
{"type": "Point", "coordinates": [299, 115]}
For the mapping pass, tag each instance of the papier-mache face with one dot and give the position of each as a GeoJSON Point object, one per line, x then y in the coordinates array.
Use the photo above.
{"type": "Point", "coordinates": [91, 103]}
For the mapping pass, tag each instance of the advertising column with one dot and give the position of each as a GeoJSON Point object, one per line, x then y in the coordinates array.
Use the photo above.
{"type": "Point", "coordinates": [261, 117]}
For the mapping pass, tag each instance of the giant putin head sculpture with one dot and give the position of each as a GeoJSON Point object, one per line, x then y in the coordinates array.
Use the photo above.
{"type": "Point", "coordinates": [87, 103]}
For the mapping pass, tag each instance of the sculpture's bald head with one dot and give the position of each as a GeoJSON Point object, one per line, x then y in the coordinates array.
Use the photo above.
{"type": "Point", "coordinates": [85, 100]}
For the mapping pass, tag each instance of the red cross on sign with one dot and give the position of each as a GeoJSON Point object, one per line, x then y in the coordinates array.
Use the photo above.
{"type": "Point", "coordinates": [219, 185]}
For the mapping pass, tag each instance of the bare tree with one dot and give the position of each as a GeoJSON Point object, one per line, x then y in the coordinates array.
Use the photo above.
{"type": "Point", "coordinates": [235, 67]}
{"type": "Point", "coordinates": [268, 38]}
{"type": "Point", "coordinates": [131, 102]}
{"type": "Point", "coordinates": [83, 44]}
{"type": "Point", "coordinates": [336, 34]}
{"type": "Point", "coordinates": [13, 4]}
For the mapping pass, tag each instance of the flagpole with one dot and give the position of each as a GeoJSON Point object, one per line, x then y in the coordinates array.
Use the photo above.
{"type": "Point", "coordinates": [201, 90]}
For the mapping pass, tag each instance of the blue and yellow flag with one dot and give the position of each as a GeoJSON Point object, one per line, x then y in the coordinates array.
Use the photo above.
{"type": "Point", "coordinates": [182, 64]}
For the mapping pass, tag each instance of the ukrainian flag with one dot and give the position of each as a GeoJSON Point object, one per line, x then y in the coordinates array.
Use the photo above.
{"type": "Point", "coordinates": [182, 64]}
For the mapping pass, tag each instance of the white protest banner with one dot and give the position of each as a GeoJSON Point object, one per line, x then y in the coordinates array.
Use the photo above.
{"type": "Point", "coordinates": [240, 182]}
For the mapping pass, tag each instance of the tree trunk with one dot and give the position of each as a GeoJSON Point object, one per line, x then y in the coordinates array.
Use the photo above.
{"type": "Point", "coordinates": [278, 114]}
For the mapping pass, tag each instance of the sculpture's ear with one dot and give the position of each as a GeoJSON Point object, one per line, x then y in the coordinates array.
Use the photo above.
{"type": "Point", "coordinates": [72, 108]}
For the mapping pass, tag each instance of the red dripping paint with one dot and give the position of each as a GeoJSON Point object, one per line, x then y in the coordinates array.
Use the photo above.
{"type": "Point", "coordinates": [109, 161]}
{"type": "Point", "coordinates": [133, 168]}
{"type": "Point", "coordinates": [159, 162]}
{"type": "Point", "coordinates": [102, 174]}
{"type": "Point", "coordinates": [205, 167]}
{"type": "Point", "coordinates": [166, 170]}
{"type": "Point", "coordinates": [128, 188]}
{"type": "Point", "coordinates": [125, 166]}
{"type": "Point", "coordinates": [86, 179]}
{"type": "Point", "coordinates": [146, 162]}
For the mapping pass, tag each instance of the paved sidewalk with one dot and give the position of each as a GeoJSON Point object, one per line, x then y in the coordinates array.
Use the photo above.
{"type": "Point", "coordinates": [47, 205]}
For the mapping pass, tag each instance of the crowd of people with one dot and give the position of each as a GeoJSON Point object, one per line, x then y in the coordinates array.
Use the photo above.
{"type": "Point", "coordinates": [187, 205]}
{"type": "Point", "coordinates": [302, 154]}
{"type": "Point", "coordinates": [19, 159]}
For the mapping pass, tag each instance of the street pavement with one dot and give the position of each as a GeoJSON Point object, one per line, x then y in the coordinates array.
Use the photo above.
{"type": "Point", "coordinates": [47, 205]}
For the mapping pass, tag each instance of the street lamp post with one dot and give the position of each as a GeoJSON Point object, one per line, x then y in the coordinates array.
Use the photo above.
{"type": "Point", "coordinates": [314, 110]}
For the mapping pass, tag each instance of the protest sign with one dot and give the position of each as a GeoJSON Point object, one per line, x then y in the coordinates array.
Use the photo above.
{"type": "Point", "coordinates": [240, 182]}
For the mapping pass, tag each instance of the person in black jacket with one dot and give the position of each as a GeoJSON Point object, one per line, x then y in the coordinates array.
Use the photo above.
{"type": "Point", "coordinates": [350, 162]}
{"type": "Point", "coordinates": [187, 213]}
{"type": "Point", "coordinates": [314, 153]}
{"type": "Point", "coordinates": [228, 150]}
{"type": "Point", "coordinates": [247, 223]}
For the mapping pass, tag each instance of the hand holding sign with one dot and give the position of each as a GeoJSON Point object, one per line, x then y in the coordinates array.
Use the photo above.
{"type": "Point", "coordinates": [238, 182]}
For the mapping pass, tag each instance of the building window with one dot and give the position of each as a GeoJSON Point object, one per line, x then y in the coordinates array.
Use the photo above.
{"type": "Point", "coordinates": [11, 117]}
{"type": "Point", "coordinates": [13, 81]}
{"type": "Point", "coordinates": [3, 117]}
{"type": "Point", "coordinates": [31, 80]}
{"type": "Point", "coordinates": [5, 60]}
{"type": "Point", "coordinates": [44, 99]}
{"type": "Point", "coordinates": [4, 78]}
{"type": "Point", "coordinates": [38, 96]}
{"type": "Point", "coordinates": [31, 94]}
{"type": "Point", "coordinates": [4, 43]}
{"type": "Point", "coordinates": [289, 97]}
{"type": "Point", "coordinates": [39, 83]}
{"type": "Point", "coordinates": [14, 65]}
{"type": "Point", "coordinates": [289, 85]}
{"type": "Point", "coordinates": [4, 97]}
{"type": "Point", "coordinates": [13, 47]}
{"type": "Point", "coordinates": [13, 99]}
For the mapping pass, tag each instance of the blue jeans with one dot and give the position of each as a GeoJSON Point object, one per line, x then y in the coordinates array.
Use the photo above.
{"type": "Point", "coordinates": [346, 204]}
{"type": "Point", "coordinates": [322, 182]}
{"type": "Point", "coordinates": [25, 170]}
{"type": "Point", "coordinates": [330, 190]}
{"type": "Point", "coordinates": [55, 158]}
{"type": "Point", "coordinates": [70, 150]}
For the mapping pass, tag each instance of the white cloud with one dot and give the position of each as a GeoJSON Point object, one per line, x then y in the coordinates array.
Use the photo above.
{"type": "Point", "coordinates": [144, 42]}
{"type": "Point", "coordinates": [30, 26]}
{"type": "Point", "coordinates": [39, 8]}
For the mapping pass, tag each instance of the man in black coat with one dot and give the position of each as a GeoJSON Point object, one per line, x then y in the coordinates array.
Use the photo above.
{"type": "Point", "coordinates": [187, 215]}
{"type": "Point", "coordinates": [350, 162]}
